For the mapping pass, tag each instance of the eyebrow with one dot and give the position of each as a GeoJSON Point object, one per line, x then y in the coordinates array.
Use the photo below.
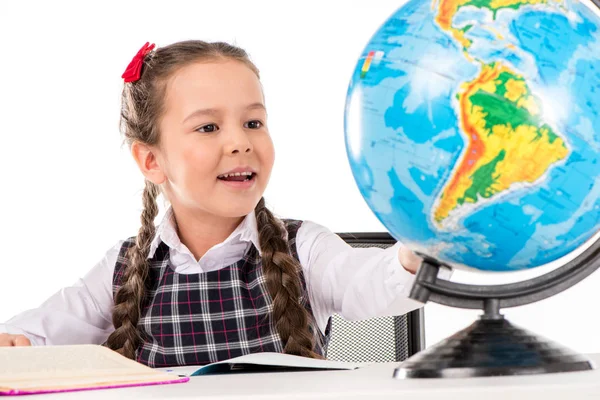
{"type": "Point", "coordinates": [214, 111]}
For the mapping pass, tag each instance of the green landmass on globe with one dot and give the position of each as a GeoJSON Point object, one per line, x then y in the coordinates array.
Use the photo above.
{"type": "Point", "coordinates": [501, 119]}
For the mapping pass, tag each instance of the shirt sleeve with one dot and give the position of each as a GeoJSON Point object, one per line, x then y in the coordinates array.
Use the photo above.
{"type": "Point", "coordinates": [78, 314]}
{"type": "Point", "coordinates": [357, 283]}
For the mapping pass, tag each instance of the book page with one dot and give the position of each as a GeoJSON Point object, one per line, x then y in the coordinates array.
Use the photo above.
{"type": "Point", "coordinates": [37, 363]}
{"type": "Point", "coordinates": [287, 360]}
{"type": "Point", "coordinates": [268, 359]}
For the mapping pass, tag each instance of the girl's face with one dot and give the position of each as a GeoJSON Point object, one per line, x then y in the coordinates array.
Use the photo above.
{"type": "Point", "coordinates": [215, 123]}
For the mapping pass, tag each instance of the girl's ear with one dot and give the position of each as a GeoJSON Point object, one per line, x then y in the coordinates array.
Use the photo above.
{"type": "Point", "coordinates": [147, 161]}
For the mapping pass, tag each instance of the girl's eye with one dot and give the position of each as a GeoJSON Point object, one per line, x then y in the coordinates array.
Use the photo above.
{"type": "Point", "coordinates": [253, 124]}
{"type": "Point", "coordinates": [208, 128]}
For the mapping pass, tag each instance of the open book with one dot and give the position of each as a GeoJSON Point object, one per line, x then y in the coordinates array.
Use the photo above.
{"type": "Point", "coordinates": [262, 362]}
{"type": "Point", "coordinates": [46, 369]}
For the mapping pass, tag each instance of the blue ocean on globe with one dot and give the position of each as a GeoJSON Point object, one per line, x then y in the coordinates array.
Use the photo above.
{"type": "Point", "coordinates": [472, 129]}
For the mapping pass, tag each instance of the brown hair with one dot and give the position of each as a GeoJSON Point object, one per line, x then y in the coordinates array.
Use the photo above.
{"type": "Point", "coordinates": [142, 106]}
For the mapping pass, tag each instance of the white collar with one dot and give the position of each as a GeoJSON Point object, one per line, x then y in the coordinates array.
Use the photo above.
{"type": "Point", "coordinates": [166, 232]}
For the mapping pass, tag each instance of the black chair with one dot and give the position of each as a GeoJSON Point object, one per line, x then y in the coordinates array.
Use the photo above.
{"type": "Point", "coordinates": [383, 339]}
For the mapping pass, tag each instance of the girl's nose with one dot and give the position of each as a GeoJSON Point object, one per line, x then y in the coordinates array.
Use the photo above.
{"type": "Point", "coordinates": [239, 142]}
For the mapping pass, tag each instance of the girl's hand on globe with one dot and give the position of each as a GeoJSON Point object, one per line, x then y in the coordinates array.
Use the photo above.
{"type": "Point", "coordinates": [409, 260]}
{"type": "Point", "coordinates": [7, 340]}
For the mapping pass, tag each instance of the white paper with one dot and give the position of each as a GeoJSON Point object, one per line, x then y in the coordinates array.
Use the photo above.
{"type": "Point", "coordinates": [68, 366]}
{"type": "Point", "coordinates": [266, 359]}
{"type": "Point", "coordinates": [64, 361]}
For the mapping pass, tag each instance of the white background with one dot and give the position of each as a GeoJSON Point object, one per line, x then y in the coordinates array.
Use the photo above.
{"type": "Point", "coordinates": [70, 189]}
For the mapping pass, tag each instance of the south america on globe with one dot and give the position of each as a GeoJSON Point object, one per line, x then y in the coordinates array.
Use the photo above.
{"type": "Point", "coordinates": [473, 133]}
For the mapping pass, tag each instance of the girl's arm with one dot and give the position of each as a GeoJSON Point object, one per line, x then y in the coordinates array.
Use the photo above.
{"type": "Point", "coordinates": [357, 283]}
{"type": "Point", "coordinates": [77, 314]}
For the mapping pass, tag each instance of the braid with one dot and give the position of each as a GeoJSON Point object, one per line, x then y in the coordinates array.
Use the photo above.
{"type": "Point", "coordinates": [130, 297]}
{"type": "Point", "coordinates": [283, 282]}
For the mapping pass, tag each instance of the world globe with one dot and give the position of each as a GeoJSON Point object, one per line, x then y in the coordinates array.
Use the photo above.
{"type": "Point", "coordinates": [472, 129]}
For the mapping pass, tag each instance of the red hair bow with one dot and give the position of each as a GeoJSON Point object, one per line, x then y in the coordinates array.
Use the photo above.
{"type": "Point", "coordinates": [134, 69]}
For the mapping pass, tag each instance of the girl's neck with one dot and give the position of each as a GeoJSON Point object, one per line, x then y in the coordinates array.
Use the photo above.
{"type": "Point", "coordinates": [199, 232]}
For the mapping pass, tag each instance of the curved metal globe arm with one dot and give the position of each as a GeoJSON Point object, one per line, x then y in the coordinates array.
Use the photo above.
{"type": "Point", "coordinates": [493, 297]}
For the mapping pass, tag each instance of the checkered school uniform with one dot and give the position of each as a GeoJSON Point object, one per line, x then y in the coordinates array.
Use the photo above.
{"type": "Point", "coordinates": [197, 319]}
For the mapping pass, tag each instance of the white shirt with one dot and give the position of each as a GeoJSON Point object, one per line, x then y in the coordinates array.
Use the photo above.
{"type": "Point", "coordinates": [357, 283]}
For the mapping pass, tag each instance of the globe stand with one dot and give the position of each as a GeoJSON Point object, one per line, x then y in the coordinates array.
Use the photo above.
{"type": "Point", "coordinates": [492, 346]}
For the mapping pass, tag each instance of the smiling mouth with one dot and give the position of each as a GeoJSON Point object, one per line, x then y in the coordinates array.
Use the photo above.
{"type": "Point", "coordinates": [237, 177]}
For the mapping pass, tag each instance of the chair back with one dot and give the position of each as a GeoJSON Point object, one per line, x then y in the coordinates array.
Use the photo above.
{"type": "Point", "coordinates": [382, 339]}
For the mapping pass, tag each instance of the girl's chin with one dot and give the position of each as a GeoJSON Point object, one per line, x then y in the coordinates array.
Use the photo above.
{"type": "Point", "coordinates": [234, 207]}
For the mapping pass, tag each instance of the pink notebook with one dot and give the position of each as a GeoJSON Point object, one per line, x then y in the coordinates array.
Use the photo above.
{"type": "Point", "coordinates": [52, 369]}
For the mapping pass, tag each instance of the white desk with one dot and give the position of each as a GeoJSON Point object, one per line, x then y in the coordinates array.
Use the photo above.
{"type": "Point", "coordinates": [372, 382]}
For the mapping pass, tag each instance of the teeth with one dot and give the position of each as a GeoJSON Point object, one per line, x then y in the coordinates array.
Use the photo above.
{"type": "Point", "coordinates": [235, 174]}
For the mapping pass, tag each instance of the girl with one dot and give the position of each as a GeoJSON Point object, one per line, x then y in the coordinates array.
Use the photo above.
{"type": "Point", "coordinates": [220, 276]}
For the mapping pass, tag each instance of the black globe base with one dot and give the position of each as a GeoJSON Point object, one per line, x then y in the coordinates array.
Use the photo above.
{"type": "Point", "coordinates": [492, 347]}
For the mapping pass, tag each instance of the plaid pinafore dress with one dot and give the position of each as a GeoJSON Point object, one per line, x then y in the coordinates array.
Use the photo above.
{"type": "Point", "coordinates": [196, 319]}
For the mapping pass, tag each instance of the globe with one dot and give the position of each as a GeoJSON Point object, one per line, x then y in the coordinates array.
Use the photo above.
{"type": "Point", "coordinates": [472, 129]}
